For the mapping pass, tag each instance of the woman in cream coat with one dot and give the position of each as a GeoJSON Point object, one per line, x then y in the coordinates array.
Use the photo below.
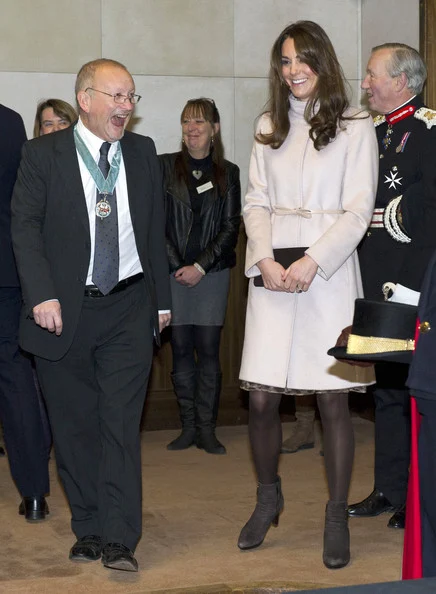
{"type": "Point", "coordinates": [312, 183]}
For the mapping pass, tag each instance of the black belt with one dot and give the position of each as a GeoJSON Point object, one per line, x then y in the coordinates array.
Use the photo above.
{"type": "Point", "coordinates": [91, 291]}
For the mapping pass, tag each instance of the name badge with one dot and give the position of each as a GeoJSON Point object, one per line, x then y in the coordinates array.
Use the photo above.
{"type": "Point", "coordinates": [205, 187]}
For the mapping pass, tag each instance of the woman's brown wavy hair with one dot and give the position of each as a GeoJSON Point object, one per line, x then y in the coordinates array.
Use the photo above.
{"type": "Point", "coordinates": [325, 108]}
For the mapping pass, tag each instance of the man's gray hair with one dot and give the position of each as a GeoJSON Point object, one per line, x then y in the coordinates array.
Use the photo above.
{"type": "Point", "coordinates": [406, 59]}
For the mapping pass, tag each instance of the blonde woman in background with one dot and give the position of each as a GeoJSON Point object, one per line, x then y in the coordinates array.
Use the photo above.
{"type": "Point", "coordinates": [53, 115]}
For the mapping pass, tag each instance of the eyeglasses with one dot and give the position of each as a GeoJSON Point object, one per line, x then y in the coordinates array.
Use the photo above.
{"type": "Point", "coordinates": [118, 97]}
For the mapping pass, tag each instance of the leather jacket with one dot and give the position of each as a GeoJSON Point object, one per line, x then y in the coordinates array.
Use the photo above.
{"type": "Point", "coordinates": [220, 219]}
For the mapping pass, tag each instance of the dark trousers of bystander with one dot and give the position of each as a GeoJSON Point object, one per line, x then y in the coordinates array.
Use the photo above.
{"type": "Point", "coordinates": [21, 413]}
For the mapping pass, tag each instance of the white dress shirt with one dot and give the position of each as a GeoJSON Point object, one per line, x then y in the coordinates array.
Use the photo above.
{"type": "Point", "coordinates": [129, 258]}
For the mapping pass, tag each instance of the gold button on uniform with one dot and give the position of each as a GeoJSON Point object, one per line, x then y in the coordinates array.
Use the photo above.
{"type": "Point", "coordinates": [424, 327]}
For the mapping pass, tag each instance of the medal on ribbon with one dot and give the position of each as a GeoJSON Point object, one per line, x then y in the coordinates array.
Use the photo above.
{"type": "Point", "coordinates": [103, 208]}
{"type": "Point", "coordinates": [105, 186]}
{"type": "Point", "coordinates": [400, 148]}
{"type": "Point", "coordinates": [387, 137]}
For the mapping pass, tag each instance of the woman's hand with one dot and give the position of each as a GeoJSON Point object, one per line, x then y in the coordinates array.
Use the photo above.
{"type": "Point", "coordinates": [272, 273]}
{"type": "Point", "coordinates": [164, 320]}
{"type": "Point", "coordinates": [188, 276]}
{"type": "Point", "coordinates": [300, 274]}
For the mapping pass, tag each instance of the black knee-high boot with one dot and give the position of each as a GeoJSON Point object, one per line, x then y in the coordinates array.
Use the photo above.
{"type": "Point", "coordinates": [185, 387]}
{"type": "Point", "coordinates": [206, 409]}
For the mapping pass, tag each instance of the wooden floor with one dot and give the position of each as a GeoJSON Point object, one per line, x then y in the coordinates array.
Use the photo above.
{"type": "Point", "coordinates": [194, 506]}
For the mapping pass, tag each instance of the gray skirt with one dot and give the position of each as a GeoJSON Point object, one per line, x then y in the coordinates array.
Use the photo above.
{"type": "Point", "coordinates": [202, 305]}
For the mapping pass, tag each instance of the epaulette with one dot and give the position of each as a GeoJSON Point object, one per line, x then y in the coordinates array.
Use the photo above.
{"type": "Point", "coordinates": [428, 116]}
{"type": "Point", "coordinates": [379, 119]}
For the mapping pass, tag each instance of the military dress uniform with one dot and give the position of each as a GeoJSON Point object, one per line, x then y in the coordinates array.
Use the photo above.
{"type": "Point", "coordinates": [421, 561]}
{"type": "Point", "coordinates": [397, 248]}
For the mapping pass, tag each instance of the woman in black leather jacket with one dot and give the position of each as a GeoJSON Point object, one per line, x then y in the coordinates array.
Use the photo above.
{"type": "Point", "coordinates": [202, 205]}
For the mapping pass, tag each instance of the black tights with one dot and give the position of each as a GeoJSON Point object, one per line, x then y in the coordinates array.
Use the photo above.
{"type": "Point", "coordinates": [196, 347]}
{"type": "Point", "coordinates": [265, 432]}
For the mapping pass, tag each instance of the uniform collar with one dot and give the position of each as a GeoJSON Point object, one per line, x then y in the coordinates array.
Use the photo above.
{"type": "Point", "coordinates": [401, 112]}
{"type": "Point", "coordinates": [416, 102]}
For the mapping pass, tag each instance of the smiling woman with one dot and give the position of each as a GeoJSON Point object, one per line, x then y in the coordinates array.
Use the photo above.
{"type": "Point", "coordinates": [312, 181]}
{"type": "Point", "coordinates": [53, 115]}
{"type": "Point", "coordinates": [198, 134]}
{"type": "Point", "coordinates": [203, 206]}
{"type": "Point", "coordinates": [298, 75]}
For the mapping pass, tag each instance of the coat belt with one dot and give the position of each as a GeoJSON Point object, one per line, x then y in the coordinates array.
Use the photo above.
{"type": "Point", "coordinates": [302, 212]}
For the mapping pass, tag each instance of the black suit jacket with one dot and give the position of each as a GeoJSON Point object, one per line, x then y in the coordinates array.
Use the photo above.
{"type": "Point", "coordinates": [51, 237]}
{"type": "Point", "coordinates": [12, 138]}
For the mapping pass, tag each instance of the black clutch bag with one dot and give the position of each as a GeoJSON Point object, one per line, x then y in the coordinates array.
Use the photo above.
{"type": "Point", "coordinates": [285, 257]}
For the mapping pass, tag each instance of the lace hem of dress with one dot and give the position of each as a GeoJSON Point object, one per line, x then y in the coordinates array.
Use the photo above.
{"type": "Point", "coordinates": [250, 386]}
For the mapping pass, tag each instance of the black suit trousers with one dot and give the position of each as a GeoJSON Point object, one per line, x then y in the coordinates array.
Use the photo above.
{"type": "Point", "coordinates": [95, 395]}
{"type": "Point", "coordinates": [392, 431]}
{"type": "Point", "coordinates": [21, 412]}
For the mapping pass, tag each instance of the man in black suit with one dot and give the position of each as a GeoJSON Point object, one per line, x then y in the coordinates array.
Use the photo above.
{"type": "Point", "coordinates": [20, 411]}
{"type": "Point", "coordinates": [88, 234]}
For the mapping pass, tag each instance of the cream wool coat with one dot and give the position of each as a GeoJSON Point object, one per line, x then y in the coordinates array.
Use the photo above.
{"type": "Point", "coordinates": [287, 335]}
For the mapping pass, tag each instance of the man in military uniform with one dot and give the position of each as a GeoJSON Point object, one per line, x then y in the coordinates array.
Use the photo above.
{"type": "Point", "coordinates": [420, 561]}
{"type": "Point", "coordinates": [397, 248]}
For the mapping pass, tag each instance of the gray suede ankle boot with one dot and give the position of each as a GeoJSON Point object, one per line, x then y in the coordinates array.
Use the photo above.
{"type": "Point", "coordinates": [268, 507]}
{"type": "Point", "coordinates": [336, 535]}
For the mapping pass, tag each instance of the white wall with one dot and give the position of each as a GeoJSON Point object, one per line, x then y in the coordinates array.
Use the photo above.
{"type": "Point", "coordinates": [179, 49]}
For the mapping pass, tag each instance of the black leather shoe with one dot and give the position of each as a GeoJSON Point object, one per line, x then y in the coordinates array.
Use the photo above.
{"type": "Point", "coordinates": [87, 548]}
{"type": "Point", "coordinates": [34, 509]}
{"type": "Point", "coordinates": [117, 556]}
{"type": "Point", "coordinates": [374, 505]}
{"type": "Point", "coordinates": [2, 451]}
{"type": "Point", "coordinates": [398, 520]}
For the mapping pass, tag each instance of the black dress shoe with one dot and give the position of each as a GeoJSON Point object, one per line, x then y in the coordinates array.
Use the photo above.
{"type": "Point", "coordinates": [34, 509]}
{"type": "Point", "coordinates": [87, 548]}
{"type": "Point", "coordinates": [398, 520]}
{"type": "Point", "coordinates": [2, 451]}
{"type": "Point", "coordinates": [374, 505]}
{"type": "Point", "coordinates": [117, 556]}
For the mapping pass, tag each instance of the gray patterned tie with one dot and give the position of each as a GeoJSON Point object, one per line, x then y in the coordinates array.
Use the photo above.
{"type": "Point", "coordinates": [106, 256]}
